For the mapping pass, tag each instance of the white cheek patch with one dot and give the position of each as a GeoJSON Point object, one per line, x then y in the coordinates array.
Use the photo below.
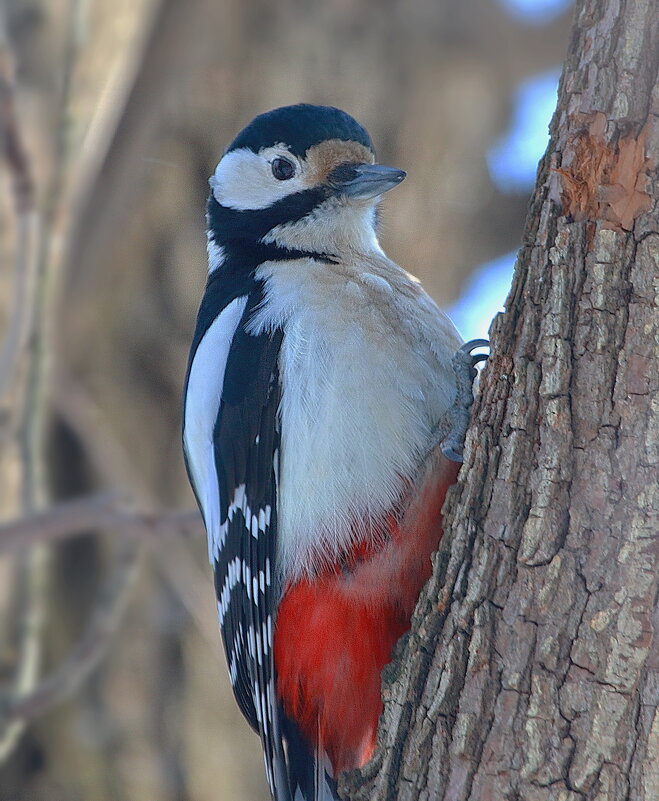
{"type": "Point", "coordinates": [244, 181]}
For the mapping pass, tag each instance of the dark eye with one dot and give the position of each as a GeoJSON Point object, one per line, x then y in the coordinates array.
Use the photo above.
{"type": "Point", "coordinates": [282, 169]}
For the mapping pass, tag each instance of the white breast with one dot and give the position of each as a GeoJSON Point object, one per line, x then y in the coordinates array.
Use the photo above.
{"type": "Point", "coordinates": [366, 375]}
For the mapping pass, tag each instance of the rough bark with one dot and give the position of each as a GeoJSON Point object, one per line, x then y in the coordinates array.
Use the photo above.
{"type": "Point", "coordinates": [532, 669]}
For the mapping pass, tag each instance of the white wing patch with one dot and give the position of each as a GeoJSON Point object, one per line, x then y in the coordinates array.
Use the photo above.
{"type": "Point", "coordinates": [201, 407]}
{"type": "Point", "coordinates": [216, 254]}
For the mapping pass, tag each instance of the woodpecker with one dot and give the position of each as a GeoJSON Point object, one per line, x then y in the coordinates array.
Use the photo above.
{"type": "Point", "coordinates": [325, 409]}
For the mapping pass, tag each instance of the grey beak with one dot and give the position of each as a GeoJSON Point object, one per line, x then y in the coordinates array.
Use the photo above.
{"type": "Point", "coordinates": [364, 180]}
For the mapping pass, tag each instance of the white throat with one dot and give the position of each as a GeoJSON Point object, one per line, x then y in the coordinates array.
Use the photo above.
{"type": "Point", "coordinates": [337, 226]}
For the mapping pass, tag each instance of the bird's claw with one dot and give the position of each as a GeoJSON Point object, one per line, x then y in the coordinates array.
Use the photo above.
{"type": "Point", "coordinates": [464, 366]}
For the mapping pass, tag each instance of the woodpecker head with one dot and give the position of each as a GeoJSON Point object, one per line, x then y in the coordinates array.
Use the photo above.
{"type": "Point", "coordinates": [300, 178]}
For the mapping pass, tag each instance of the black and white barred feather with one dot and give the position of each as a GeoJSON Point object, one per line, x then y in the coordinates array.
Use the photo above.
{"type": "Point", "coordinates": [232, 446]}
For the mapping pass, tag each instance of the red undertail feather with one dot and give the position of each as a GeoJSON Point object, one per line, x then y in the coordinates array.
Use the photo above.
{"type": "Point", "coordinates": [335, 633]}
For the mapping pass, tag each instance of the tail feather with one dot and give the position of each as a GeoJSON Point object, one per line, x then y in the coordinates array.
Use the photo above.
{"type": "Point", "coordinates": [309, 769]}
{"type": "Point", "coordinates": [326, 789]}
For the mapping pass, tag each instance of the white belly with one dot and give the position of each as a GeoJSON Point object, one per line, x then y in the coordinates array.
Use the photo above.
{"type": "Point", "coordinates": [362, 392]}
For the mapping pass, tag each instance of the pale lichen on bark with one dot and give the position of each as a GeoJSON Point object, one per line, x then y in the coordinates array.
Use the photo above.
{"type": "Point", "coordinates": [532, 669]}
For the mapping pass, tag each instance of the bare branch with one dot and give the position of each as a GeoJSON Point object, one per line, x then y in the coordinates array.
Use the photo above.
{"type": "Point", "coordinates": [20, 172]}
{"type": "Point", "coordinates": [87, 654]}
{"type": "Point", "coordinates": [193, 585]}
{"type": "Point", "coordinates": [14, 381]}
{"type": "Point", "coordinates": [176, 564]}
{"type": "Point", "coordinates": [120, 138]}
{"type": "Point", "coordinates": [14, 152]}
{"type": "Point", "coordinates": [94, 513]}
{"type": "Point", "coordinates": [27, 698]}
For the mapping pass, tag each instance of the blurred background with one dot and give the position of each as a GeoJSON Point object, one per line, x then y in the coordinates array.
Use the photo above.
{"type": "Point", "coordinates": [123, 108]}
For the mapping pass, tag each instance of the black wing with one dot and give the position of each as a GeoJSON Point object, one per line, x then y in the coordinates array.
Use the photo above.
{"type": "Point", "coordinates": [232, 445]}
{"type": "Point", "coordinates": [246, 441]}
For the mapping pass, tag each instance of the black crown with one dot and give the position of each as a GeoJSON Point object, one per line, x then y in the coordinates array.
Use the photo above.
{"type": "Point", "coordinates": [300, 127]}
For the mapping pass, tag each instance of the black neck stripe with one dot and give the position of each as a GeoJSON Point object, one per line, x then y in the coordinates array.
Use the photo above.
{"type": "Point", "coordinates": [235, 277]}
{"type": "Point", "coordinates": [227, 224]}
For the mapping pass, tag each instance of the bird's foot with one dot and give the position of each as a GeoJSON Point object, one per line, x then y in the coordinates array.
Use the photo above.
{"type": "Point", "coordinates": [464, 366]}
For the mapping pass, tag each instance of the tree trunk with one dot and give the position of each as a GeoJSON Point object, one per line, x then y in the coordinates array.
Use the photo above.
{"type": "Point", "coordinates": [532, 668]}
